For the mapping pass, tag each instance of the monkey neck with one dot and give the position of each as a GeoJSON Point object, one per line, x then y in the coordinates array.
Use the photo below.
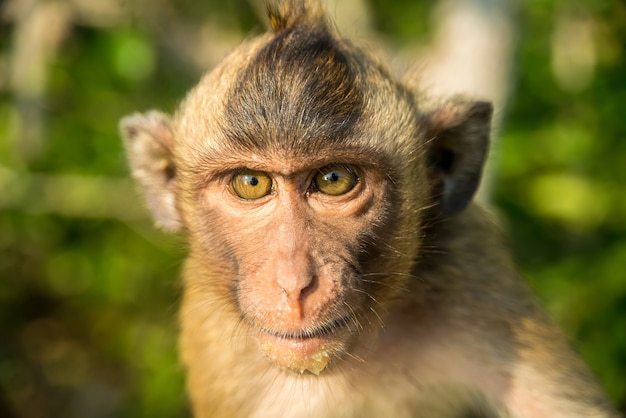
{"type": "Point", "coordinates": [462, 246]}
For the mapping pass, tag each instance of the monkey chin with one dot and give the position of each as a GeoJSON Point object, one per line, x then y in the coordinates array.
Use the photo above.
{"type": "Point", "coordinates": [302, 354]}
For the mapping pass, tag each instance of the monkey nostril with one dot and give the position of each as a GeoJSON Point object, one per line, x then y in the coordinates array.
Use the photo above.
{"type": "Point", "coordinates": [297, 290]}
{"type": "Point", "coordinates": [293, 288]}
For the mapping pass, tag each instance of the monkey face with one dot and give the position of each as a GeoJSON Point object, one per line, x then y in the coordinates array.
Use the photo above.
{"type": "Point", "coordinates": [294, 231]}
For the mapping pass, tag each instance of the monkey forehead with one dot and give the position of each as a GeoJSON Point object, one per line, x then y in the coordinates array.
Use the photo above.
{"type": "Point", "coordinates": [300, 91]}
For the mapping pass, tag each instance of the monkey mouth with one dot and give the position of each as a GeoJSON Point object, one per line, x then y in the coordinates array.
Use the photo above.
{"type": "Point", "coordinates": [323, 331]}
{"type": "Point", "coordinates": [306, 350]}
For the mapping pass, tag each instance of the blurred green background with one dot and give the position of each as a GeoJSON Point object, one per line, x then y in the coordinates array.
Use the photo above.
{"type": "Point", "coordinates": [89, 290]}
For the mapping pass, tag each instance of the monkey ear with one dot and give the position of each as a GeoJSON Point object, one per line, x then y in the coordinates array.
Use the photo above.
{"type": "Point", "coordinates": [459, 131]}
{"type": "Point", "coordinates": [149, 139]}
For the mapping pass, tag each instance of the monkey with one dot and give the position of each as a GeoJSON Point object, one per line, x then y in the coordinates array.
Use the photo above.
{"type": "Point", "coordinates": [337, 265]}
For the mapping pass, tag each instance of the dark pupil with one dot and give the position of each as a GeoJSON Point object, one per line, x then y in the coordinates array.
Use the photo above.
{"type": "Point", "coordinates": [331, 177]}
{"type": "Point", "coordinates": [253, 181]}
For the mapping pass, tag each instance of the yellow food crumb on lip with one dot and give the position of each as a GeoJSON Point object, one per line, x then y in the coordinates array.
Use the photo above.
{"type": "Point", "coordinates": [314, 363]}
{"type": "Point", "coordinates": [318, 362]}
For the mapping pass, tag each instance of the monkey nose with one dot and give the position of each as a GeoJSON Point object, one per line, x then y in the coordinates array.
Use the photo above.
{"type": "Point", "coordinates": [293, 286]}
{"type": "Point", "coordinates": [295, 289]}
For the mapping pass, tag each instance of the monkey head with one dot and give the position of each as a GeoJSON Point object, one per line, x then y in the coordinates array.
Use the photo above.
{"type": "Point", "coordinates": [304, 174]}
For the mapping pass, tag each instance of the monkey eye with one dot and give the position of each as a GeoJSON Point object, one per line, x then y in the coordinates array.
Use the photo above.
{"type": "Point", "coordinates": [335, 180]}
{"type": "Point", "coordinates": [250, 184]}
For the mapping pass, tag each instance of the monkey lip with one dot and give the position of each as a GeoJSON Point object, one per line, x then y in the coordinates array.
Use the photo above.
{"type": "Point", "coordinates": [305, 350]}
{"type": "Point", "coordinates": [323, 331]}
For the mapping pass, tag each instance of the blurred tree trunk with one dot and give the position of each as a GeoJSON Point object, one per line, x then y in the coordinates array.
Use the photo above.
{"type": "Point", "coordinates": [38, 30]}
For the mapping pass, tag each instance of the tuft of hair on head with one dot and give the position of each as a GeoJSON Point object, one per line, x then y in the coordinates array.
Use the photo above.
{"type": "Point", "coordinates": [285, 14]}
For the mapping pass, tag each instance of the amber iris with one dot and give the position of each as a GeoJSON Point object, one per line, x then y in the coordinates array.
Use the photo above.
{"type": "Point", "coordinates": [250, 184]}
{"type": "Point", "coordinates": [335, 180]}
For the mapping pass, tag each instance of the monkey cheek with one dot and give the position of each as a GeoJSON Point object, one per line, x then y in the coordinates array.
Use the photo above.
{"type": "Point", "coordinates": [301, 355]}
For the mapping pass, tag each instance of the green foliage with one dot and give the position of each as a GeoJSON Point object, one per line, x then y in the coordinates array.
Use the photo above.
{"type": "Point", "coordinates": [562, 176]}
{"type": "Point", "coordinates": [88, 290]}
